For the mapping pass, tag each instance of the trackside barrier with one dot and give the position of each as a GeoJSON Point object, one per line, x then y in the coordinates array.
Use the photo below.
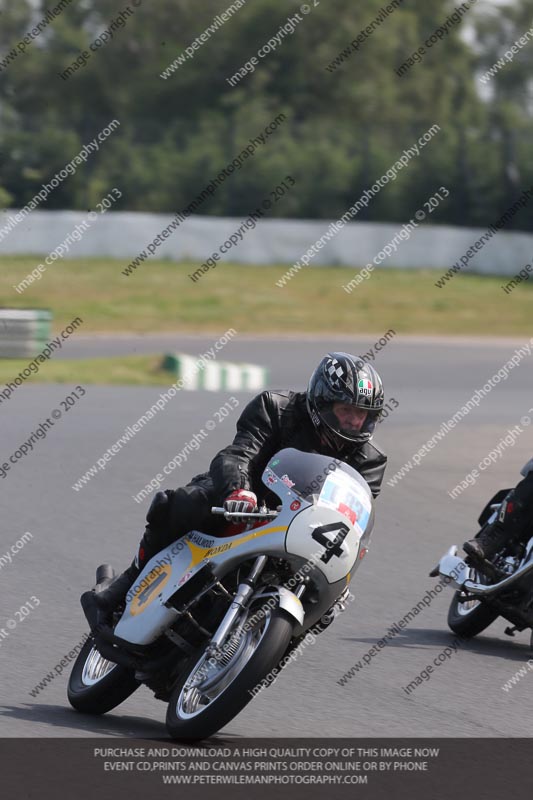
{"type": "Point", "coordinates": [216, 376]}
{"type": "Point", "coordinates": [24, 332]}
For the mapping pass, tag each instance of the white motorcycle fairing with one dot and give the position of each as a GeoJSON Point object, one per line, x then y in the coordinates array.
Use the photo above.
{"type": "Point", "coordinates": [323, 535]}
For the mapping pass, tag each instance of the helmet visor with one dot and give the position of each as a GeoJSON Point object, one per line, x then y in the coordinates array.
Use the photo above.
{"type": "Point", "coordinates": [349, 421]}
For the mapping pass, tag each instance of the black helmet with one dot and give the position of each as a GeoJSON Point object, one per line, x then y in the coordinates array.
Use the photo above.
{"type": "Point", "coordinates": [342, 378]}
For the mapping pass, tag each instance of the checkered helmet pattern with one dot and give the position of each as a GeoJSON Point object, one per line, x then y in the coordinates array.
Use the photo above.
{"type": "Point", "coordinates": [336, 372]}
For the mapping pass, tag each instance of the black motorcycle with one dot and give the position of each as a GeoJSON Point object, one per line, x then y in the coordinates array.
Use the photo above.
{"type": "Point", "coordinates": [504, 589]}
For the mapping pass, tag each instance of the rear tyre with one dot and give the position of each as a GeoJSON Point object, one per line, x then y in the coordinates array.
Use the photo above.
{"type": "Point", "coordinates": [97, 685]}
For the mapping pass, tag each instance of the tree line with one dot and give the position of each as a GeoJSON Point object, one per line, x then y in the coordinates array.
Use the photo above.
{"type": "Point", "coordinates": [164, 70]}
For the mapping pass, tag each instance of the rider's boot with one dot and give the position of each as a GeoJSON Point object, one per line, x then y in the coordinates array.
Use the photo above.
{"type": "Point", "coordinates": [484, 547]}
{"type": "Point", "coordinates": [98, 606]}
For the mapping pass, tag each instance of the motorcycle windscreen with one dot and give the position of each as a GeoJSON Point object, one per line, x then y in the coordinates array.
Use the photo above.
{"type": "Point", "coordinates": [306, 474]}
{"type": "Point", "coordinates": [341, 493]}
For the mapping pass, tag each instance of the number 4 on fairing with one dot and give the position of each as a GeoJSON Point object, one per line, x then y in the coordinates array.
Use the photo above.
{"type": "Point", "coordinates": [333, 546]}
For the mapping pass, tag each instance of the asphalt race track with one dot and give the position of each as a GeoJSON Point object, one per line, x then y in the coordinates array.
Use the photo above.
{"type": "Point", "coordinates": [416, 522]}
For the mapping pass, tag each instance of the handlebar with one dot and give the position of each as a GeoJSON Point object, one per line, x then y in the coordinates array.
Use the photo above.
{"type": "Point", "coordinates": [242, 515]}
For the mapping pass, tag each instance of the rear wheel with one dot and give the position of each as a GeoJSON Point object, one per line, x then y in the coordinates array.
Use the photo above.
{"type": "Point", "coordinates": [212, 691]}
{"type": "Point", "coordinates": [97, 685]}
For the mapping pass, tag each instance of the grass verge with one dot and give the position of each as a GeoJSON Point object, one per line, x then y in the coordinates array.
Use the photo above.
{"type": "Point", "coordinates": [160, 297]}
{"type": "Point", "coordinates": [122, 370]}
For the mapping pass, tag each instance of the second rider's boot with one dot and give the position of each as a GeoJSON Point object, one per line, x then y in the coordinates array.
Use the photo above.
{"type": "Point", "coordinates": [485, 546]}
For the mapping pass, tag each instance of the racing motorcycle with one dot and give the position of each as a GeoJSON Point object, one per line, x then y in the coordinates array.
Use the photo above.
{"type": "Point", "coordinates": [505, 589]}
{"type": "Point", "coordinates": [210, 617]}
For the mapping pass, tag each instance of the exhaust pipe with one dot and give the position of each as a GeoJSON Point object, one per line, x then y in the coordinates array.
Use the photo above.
{"type": "Point", "coordinates": [104, 572]}
{"type": "Point", "coordinates": [481, 590]}
{"type": "Point", "coordinates": [453, 567]}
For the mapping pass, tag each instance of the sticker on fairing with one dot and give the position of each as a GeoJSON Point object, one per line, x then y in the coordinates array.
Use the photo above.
{"type": "Point", "coordinates": [198, 538]}
{"type": "Point", "coordinates": [287, 481]}
{"type": "Point", "coordinates": [347, 498]}
{"type": "Point", "coordinates": [150, 588]}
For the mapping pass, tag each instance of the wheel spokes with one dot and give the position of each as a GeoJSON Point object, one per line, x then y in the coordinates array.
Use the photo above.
{"type": "Point", "coordinates": [95, 668]}
{"type": "Point", "coordinates": [208, 680]}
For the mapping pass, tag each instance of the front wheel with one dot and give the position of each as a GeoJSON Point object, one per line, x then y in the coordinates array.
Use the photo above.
{"type": "Point", "coordinates": [468, 617]}
{"type": "Point", "coordinates": [97, 685]}
{"type": "Point", "coordinates": [213, 691]}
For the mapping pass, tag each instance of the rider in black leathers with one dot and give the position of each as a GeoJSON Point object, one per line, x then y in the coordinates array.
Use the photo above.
{"type": "Point", "coordinates": [335, 417]}
{"type": "Point", "coordinates": [512, 526]}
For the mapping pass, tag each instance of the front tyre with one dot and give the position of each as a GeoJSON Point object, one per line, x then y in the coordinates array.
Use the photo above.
{"type": "Point", "coordinates": [469, 617]}
{"type": "Point", "coordinates": [212, 692]}
{"type": "Point", "coordinates": [97, 685]}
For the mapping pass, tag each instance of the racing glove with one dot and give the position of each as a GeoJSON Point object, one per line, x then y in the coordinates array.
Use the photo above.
{"type": "Point", "coordinates": [240, 500]}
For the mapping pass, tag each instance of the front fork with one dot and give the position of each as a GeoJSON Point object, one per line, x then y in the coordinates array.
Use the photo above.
{"type": "Point", "coordinates": [240, 603]}
{"type": "Point", "coordinates": [244, 592]}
